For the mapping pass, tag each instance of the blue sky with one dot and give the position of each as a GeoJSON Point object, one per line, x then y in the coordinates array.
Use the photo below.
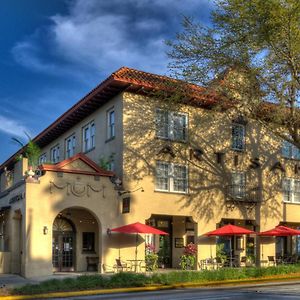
{"type": "Point", "coordinates": [53, 52]}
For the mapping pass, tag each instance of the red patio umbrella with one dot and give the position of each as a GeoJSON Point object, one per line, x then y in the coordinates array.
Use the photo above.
{"type": "Point", "coordinates": [291, 231]}
{"type": "Point", "coordinates": [229, 230]}
{"type": "Point", "coordinates": [138, 228]}
{"type": "Point", "coordinates": [279, 230]}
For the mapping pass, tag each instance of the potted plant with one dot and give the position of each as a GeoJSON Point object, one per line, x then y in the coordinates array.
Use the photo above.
{"type": "Point", "coordinates": [151, 258]}
{"type": "Point", "coordinates": [188, 259]}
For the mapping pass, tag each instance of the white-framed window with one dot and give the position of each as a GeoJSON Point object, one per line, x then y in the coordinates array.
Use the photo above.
{"type": "Point", "coordinates": [70, 145]}
{"type": "Point", "coordinates": [238, 185]}
{"type": "Point", "coordinates": [290, 151]}
{"type": "Point", "coordinates": [291, 190]}
{"type": "Point", "coordinates": [171, 125]}
{"type": "Point", "coordinates": [55, 154]}
{"type": "Point", "coordinates": [171, 177]}
{"type": "Point", "coordinates": [88, 137]}
{"type": "Point", "coordinates": [238, 141]}
{"type": "Point", "coordinates": [42, 158]}
{"type": "Point", "coordinates": [110, 116]}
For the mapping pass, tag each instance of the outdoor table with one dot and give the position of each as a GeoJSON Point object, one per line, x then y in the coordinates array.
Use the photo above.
{"type": "Point", "coordinates": [231, 262]}
{"type": "Point", "coordinates": [264, 262]}
{"type": "Point", "coordinates": [135, 264]}
{"type": "Point", "coordinates": [208, 264]}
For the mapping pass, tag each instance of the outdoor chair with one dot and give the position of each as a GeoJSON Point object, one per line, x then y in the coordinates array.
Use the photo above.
{"type": "Point", "coordinates": [243, 262]}
{"type": "Point", "coordinates": [120, 266]}
{"type": "Point", "coordinates": [92, 263]}
{"type": "Point", "coordinates": [271, 261]}
{"type": "Point", "coordinates": [108, 269]}
{"type": "Point", "coordinates": [219, 263]}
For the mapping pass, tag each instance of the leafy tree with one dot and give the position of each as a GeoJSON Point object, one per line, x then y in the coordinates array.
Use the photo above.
{"type": "Point", "coordinates": [31, 150]}
{"type": "Point", "coordinates": [251, 55]}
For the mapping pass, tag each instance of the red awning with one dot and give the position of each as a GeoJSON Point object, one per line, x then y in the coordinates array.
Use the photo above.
{"type": "Point", "coordinates": [229, 230]}
{"type": "Point", "coordinates": [138, 228]}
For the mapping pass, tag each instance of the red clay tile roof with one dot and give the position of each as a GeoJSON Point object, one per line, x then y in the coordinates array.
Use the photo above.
{"type": "Point", "coordinates": [124, 79]}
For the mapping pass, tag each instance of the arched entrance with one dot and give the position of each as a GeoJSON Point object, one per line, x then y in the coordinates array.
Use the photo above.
{"type": "Point", "coordinates": [76, 241]}
{"type": "Point", "coordinates": [63, 244]}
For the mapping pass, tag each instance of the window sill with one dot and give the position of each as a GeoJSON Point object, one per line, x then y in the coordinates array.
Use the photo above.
{"type": "Point", "coordinates": [88, 252]}
{"type": "Point", "coordinates": [110, 139]}
{"type": "Point", "coordinates": [90, 150]}
{"type": "Point", "coordinates": [291, 159]}
{"type": "Point", "coordinates": [238, 150]}
{"type": "Point", "coordinates": [171, 192]}
{"type": "Point", "coordinates": [171, 140]}
{"type": "Point", "coordinates": [286, 202]}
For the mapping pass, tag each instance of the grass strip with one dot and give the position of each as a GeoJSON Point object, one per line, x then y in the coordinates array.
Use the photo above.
{"type": "Point", "coordinates": [130, 280]}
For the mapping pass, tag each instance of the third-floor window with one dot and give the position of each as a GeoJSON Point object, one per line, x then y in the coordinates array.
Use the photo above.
{"type": "Point", "coordinates": [55, 154]}
{"type": "Point", "coordinates": [171, 125]}
{"type": "Point", "coordinates": [238, 142]}
{"type": "Point", "coordinates": [290, 151]}
{"type": "Point", "coordinates": [70, 146]}
{"type": "Point", "coordinates": [88, 139]}
{"type": "Point", "coordinates": [110, 123]}
{"type": "Point", "coordinates": [291, 190]}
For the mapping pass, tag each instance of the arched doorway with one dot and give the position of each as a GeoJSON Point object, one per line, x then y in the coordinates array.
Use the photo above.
{"type": "Point", "coordinates": [63, 245]}
{"type": "Point", "coordinates": [76, 241]}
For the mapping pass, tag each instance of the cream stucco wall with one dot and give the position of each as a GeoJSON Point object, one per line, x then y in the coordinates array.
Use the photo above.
{"type": "Point", "coordinates": [137, 150]}
{"type": "Point", "coordinates": [103, 148]}
{"type": "Point", "coordinates": [210, 131]}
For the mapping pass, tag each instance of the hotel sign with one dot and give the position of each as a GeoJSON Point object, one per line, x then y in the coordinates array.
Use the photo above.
{"type": "Point", "coordinates": [17, 198]}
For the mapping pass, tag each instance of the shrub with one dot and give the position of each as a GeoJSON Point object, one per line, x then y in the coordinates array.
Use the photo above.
{"type": "Point", "coordinates": [139, 280]}
{"type": "Point", "coordinates": [188, 259]}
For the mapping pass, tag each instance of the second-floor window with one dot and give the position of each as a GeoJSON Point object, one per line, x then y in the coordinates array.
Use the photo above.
{"type": "Point", "coordinates": [70, 146]}
{"type": "Point", "coordinates": [291, 190]}
{"type": "Point", "coordinates": [42, 158]}
{"type": "Point", "coordinates": [238, 141]}
{"type": "Point", "coordinates": [55, 154]}
{"type": "Point", "coordinates": [290, 151]}
{"type": "Point", "coordinates": [171, 177]}
{"type": "Point", "coordinates": [238, 185]}
{"type": "Point", "coordinates": [110, 123]}
{"type": "Point", "coordinates": [171, 125]}
{"type": "Point", "coordinates": [88, 137]}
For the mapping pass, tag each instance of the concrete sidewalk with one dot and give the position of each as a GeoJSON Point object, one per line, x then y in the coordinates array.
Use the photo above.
{"type": "Point", "coordinates": [13, 280]}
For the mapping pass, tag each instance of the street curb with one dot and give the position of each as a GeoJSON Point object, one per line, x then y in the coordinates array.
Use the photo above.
{"type": "Point", "coordinates": [220, 284]}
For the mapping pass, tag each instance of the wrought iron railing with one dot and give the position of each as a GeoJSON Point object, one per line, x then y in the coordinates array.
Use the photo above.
{"type": "Point", "coordinates": [243, 193]}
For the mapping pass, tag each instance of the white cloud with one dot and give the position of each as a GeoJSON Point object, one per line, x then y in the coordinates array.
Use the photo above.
{"type": "Point", "coordinates": [101, 36]}
{"type": "Point", "coordinates": [12, 127]}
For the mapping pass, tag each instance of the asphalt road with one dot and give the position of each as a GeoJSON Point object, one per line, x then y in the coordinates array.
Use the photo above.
{"type": "Point", "coordinates": [278, 291]}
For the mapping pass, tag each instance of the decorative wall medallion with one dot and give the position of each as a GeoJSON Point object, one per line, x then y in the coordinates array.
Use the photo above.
{"type": "Point", "coordinates": [78, 189]}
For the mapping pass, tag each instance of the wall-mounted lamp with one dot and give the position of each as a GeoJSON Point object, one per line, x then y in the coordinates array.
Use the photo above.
{"type": "Point", "coordinates": [108, 231]}
{"type": "Point", "coordinates": [128, 192]}
{"type": "Point", "coordinates": [45, 230]}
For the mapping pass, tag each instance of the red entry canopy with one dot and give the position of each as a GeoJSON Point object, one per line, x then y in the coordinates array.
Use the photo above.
{"type": "Point", "coordinates": [138, 228]}
{"type": "Point", "coordinates": [229, 230]}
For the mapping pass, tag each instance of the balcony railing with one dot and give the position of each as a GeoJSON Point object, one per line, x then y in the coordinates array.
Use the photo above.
{"type": "Point", "coordinates": [243, 193]}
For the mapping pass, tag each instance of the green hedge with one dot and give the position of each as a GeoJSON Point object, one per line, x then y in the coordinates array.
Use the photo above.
{"type": "Point", "coordinates": [120, 280]}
